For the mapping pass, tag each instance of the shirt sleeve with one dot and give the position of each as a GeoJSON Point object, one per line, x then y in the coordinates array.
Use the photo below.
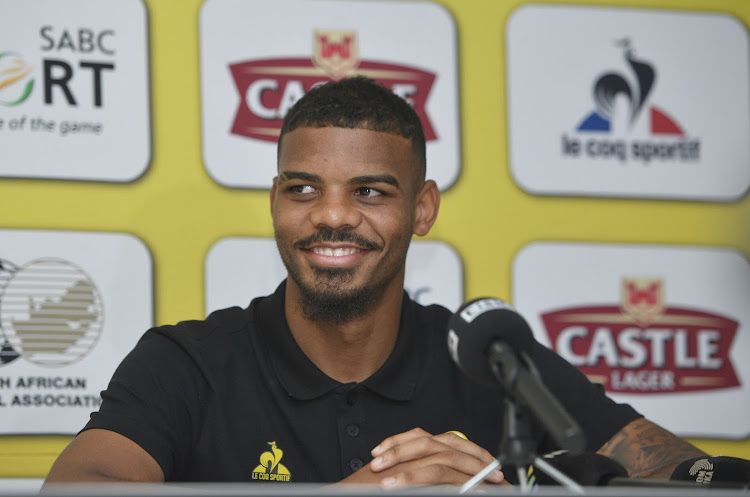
{"type": "Point", "coordinates": [154, 400]}
{"type": "Point", "coordinates": [599, 416]}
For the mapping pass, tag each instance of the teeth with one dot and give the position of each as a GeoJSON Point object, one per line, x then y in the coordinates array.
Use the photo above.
{"type": "Point", "coordinates": [337, 252]}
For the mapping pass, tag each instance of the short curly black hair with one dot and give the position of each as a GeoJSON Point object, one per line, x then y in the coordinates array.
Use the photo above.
{"type": "Point", "coordinates": [358, 103]}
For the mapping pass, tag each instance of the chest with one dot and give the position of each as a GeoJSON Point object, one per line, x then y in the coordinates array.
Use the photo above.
{"type": "Point", "coordinates": [261, 434]}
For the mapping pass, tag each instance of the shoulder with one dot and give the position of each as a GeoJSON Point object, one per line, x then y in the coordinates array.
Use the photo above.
{"type": "Point", "coordinates": [220, 331]}
{"type": "Point", "coordinates": [432, 316]}
{"type": "Point", "coordinates": [221, 322]}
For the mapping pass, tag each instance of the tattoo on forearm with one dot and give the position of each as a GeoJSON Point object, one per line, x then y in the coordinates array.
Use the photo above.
{"type": "Point", "coordinates": [648, 451]}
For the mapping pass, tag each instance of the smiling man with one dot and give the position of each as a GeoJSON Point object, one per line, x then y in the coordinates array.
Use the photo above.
{"type": "Point", "coordinates": [339, 375]}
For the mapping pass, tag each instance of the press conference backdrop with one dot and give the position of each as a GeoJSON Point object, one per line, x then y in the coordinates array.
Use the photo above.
{"type": "Point", "coordinates": [594, 159]}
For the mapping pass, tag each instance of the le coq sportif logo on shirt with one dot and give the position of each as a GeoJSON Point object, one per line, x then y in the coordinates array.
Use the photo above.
{"type": "Point", "coordinates": [270, 467]}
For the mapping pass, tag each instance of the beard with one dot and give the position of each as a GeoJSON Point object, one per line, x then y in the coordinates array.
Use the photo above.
{"type": "Point", "coordinates": [327, 299]}
{"type": "Point", "coordinates": [327, 302]}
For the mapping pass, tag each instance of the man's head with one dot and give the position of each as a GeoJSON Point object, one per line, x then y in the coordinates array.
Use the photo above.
{"type": "Point", "coordinates": [359, 103]}
{"type": "Point", "coordinates": [349, 195]}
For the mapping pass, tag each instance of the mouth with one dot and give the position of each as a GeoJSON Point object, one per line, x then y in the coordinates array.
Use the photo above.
{"type": "Point", "coordinates": [335, 256]}
{"type": "Point", "coordinates": [341, 248]}
{"type": "Point", "coordinates": [335, 251]}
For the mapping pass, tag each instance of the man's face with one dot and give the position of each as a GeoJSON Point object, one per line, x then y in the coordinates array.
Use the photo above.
{"type": "Point", "coordinates": [344, 208]}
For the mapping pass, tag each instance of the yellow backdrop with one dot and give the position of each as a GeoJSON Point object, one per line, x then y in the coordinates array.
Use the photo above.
{"type": "Point", "coordinates": [179, 212]}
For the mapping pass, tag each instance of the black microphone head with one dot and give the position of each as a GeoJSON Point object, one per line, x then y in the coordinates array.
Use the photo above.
{"type": "Point", "coordinates": [477, 324]}
{"type": "Point", "coordinates": [588, 469]}
{"type": "Point", "coordinates": [714, 471]}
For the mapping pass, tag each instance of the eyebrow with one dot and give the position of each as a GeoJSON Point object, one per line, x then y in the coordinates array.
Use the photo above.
{"type": "Point", "coordinates": [374, 178]}
{"type": "Point", "coordinates": [357, 180]}
{"type": "Point", "coordinates": [290, 175]}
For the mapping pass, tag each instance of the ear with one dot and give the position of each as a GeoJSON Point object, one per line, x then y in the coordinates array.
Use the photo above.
{"type": "Point", "coordinates": [426, 208]}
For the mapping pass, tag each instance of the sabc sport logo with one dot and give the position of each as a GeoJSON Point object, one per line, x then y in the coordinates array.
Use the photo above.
{"type": "Point", "coordinates": [600, 130]}
{"type": "Point", "coordinates": [268, 88]}
{"type": "Point", "coordinates": [644, 346]}
{"type": "Point", "coordinates": [51, 313]}
{"type": "Point", "coordinates": [16, 79]}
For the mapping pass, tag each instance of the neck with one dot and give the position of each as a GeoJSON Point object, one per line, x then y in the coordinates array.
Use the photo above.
{"type": "Point", "coordinates": [351, 351]}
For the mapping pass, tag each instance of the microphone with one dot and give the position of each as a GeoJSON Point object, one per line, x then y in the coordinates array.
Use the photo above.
{"type": "Point", "coordinates": [714, 471]}
{"type": "Point", "coordinates": [491, 343]}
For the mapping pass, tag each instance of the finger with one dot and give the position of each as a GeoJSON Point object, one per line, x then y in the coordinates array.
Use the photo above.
{"type": "Point", "coordinates": [409, 450]}
{"type": "Point", "coordinates": [464, 456]}
{"type": "Point", "coordinates": [430, 474]}
{"type": "Point", "coordinates": [464, 445]}
{"type": "Point", "coordinates": [399, 439]}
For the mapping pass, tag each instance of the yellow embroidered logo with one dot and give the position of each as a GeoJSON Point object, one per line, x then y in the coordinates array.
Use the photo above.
{"type": "Point", "coordinates": [270, 467]}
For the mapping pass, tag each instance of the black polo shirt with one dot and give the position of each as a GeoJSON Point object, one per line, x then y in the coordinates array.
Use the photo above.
{"type": "Point", "coordinates": [234, 398]}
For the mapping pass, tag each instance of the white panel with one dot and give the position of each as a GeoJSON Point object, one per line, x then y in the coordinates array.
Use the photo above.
{"type": "Point", "coordinates": [557, 54]}
{"type": "Point", "coordinates": [74, 90]}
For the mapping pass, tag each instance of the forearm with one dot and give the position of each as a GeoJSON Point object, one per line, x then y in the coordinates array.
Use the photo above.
{"type": "Point", "coordinates": [100, 456]}
{"type": "Point", "coordinates": [647, 450]}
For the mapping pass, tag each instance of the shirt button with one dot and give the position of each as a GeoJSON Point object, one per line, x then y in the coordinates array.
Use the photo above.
{"type": "Point", "coordinates": [352, 430]}
{"type": "Point", "coordinates": [355, 464]}
{"type": "Point", "coordinates": [351, 398]}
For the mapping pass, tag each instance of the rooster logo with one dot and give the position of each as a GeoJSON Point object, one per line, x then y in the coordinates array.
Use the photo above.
{"type": "Point", "coordinates": [270, 467]}
{"type": "Point", "coordinates": [612, 84]}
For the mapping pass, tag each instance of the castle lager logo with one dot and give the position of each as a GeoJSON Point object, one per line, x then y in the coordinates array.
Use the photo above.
{"type": "Point", "coordinates": [642, 299]}
{"type": "Point", "coordinates": [336, 52]}
{"type": "Point", "coordinates": [268, 88]}
{"type": "Point", "coordinates": [643, 345]}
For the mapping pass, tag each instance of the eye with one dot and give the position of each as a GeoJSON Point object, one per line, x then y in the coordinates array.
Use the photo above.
{"type": "Point", "coordinates": [366, 191]}
{"type": "Point", "coordinates": [302, 189]}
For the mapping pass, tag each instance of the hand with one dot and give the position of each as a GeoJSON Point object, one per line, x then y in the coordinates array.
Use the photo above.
{"type": "Point", "coordinates": [420, 458]}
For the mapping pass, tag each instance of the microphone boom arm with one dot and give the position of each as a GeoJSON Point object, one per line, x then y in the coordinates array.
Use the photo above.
{"type": "Point", "coordinates": [523, 384]}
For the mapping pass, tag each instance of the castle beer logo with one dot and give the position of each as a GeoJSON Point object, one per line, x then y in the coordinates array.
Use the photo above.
{"type": "Point", "coordinates": [254, 69]}
{"type": "Point", "coordinates": [336, 52]}
{"type": "Point", "coordinates": [644, 346]}
{"type": "Point", "coordinates": [268, 88]}
{"type": "Point", "coordinates": [270, 467]}
{"type": "Point", "coordinates": [51, 312]}
{"type": "Point", "coordinates": [16, 79]}
{"type": "Point", "coordinates": [642, 299]}
{"type": "Point", "coordinates": [635, 89]}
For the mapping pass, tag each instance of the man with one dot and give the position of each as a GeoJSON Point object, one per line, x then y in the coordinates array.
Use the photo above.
{"type": "Point", "coordinates": [338, 376]}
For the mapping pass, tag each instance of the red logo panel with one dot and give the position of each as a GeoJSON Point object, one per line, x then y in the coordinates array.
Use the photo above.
{"type": "Point", "coordinates": [268, 89]}
{"type": "Point", "coordinates": [681, 350]}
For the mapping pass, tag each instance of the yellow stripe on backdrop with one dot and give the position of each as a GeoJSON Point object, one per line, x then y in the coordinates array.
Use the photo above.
{"type": "Point", "coordinates": [179, 212]}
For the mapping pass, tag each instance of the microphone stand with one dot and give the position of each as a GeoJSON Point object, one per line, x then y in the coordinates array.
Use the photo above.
{"type": "Point", "coordinates": [517, 447]}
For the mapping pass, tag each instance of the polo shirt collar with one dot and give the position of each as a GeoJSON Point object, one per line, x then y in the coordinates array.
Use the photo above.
{"type": "Point", "coordinates": [396, 379]}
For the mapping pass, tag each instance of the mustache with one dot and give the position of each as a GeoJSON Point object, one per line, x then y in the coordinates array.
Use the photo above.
{"type": "Point", "coordinates": [337, 235]}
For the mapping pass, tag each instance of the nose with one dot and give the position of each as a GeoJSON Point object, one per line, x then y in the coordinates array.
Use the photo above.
{"type": "Point", "coordinates": [335, 210]}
